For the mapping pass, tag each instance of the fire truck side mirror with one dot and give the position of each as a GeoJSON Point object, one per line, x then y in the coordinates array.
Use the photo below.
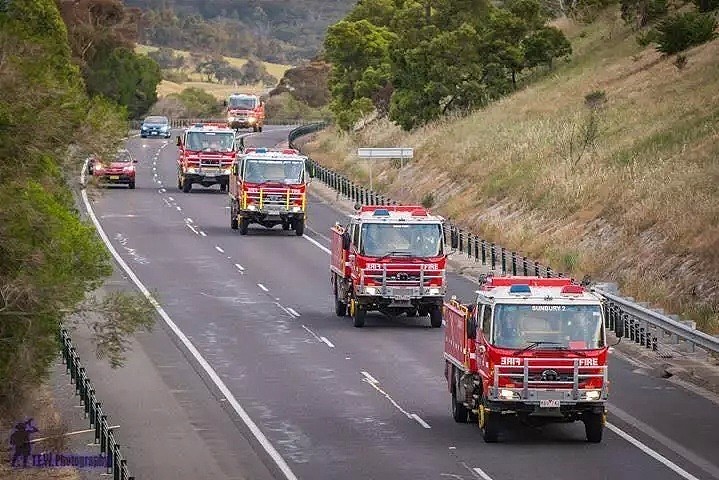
{"type": "Point", "coordinates": [346, 240]}
{"type": "Point", "coordinates": [179, 141]}
{"type": "Point", "coordinates": [224, 103]}
{"type": "Point", "coordinates": [234, 169]}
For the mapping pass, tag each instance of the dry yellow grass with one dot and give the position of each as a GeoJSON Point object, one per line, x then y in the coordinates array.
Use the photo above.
{"type": "Point", "coordinates": [277, 70]}
{"type": "Point", "coordinates": [640, 207]}
{"type": "Point", "coordinates": [218, 90]}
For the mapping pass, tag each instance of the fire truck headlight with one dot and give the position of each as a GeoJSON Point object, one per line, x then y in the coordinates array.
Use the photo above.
{"type": "Point", "coordinates": [370, 290]}
{"type": "Point", "coordinates": [508, 394]}
{"type": "Point", "coordinates": [296, 209]}
{"type": "Point", "coordinates": [434, 291]}
{"type": "Point", "coordinates": [251, 207]}
{"type": "Point", "coordinates": [252, 119]}
{"type": "Point", "coordinates": [592, 394]}
{"type": "Point", "coordinates": [191, 170]}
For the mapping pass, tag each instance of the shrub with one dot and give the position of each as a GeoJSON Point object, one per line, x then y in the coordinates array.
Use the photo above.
{"type": "Point", "coordinates": [428, 200]}
{"type": "Point", "coordinates": [645, 38]}
{"type": "Point", "coordinates": [707, 5]}
{"type": "Point", "coordinates": [679, 32]}
{"type": "Point", "coordinates": [175, 76]}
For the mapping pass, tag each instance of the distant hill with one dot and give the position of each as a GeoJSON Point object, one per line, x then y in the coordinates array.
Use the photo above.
{"type": "Point", "coordinates": [277, 31]}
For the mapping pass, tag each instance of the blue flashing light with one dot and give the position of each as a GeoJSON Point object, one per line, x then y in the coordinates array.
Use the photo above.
{"type": "Point", "coordinates": [381, 212]}
{"type": "Point", "coordinates": [520, 288]}
{"type": "Point", "coordinates": [261, 150]}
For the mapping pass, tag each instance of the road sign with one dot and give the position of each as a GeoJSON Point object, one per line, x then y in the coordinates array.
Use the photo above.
{"type": "Point", "coordinates": [384, 153]}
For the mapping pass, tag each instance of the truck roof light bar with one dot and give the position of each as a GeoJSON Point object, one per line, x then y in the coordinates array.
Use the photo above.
{"type": "Point", "coordinates": [520, 288]}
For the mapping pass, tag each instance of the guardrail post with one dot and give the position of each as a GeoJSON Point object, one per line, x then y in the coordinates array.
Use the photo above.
{"type": "Point", "coordinates": [493, 253]}
{"type": "Point", "coordinates": [103, 434]}
{"type": "Point", "coordinates": [549, 272]}
{"type": "Point", "coordinates": [504, 260]}
{"type": "Point", "coordinates": [115, 462]}
{"type": "Point", "coordinates": [514, 263]}
{"type": "Point", "coordinates": [476, 248]}
{"type": "Point", "coordinates": [484, 252]}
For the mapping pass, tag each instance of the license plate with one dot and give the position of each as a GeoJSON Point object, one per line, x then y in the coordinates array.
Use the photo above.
{"type": "Point", "coordinates": [210, 174]}
{"type": "Point", "coordinates": [402, 298]}
{"type": "Point", "coordinates": [273, 212]}
{"type": "Point", "coordinates": [114, 177]}
{"type": "Point", "coordinates": [549, 403]}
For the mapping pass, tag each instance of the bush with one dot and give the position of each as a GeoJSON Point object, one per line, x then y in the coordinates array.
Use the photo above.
{"type": "Point", "coordinates": [645, 38]}
{"type": "Point", "coordinates": [198, 103]}
{"type": "Point", "coordinates": [287, 108]}
{"type": "Point", "coordinates": [707, 5]}
{"type": "Point", "coordinates": [175, 76]}
{"type": "Point", "coordinates": [679, 32]}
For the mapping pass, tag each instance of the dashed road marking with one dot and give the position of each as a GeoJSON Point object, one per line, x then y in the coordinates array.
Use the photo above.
{"type": "Point", "coordinates": [240, 267]}
{"type": "Point", "coordinates": [481, 473]}
{"type": "Point", "coordinates": [325, 340]}
{"type": "Point", "coordinates": [219, 249]}
{"type": "Point", "coordinates": [293, 312]}
{"type": "Point", "coordinates": [192, 228]}
{"type": "Point", "coordinates": [203, 233]}
{"type": "Point", "coordinates": [263, 287]}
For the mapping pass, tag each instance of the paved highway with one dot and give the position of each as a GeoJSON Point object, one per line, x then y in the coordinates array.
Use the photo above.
{"type": "Point", "coordinates": [339, 402]}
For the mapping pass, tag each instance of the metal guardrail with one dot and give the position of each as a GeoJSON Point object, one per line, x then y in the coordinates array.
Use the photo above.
{"type": "Point", "coordinates": [186, 122]}
{"type": "Point", "coordinates": [643, 326]}
{"type": "Point", "coordinates": [104, 437]}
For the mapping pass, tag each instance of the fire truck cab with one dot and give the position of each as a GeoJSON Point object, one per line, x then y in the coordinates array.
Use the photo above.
{"type": "Point", "coordinates": [531, 347]}
{"type": "Point", "coordinates": [245, 111]}
{"type": "Point", "coordinates": [206, 152]}
{"type": "Point", "coordinates": [269, 187]}
{"type": "Point", "coordinates": [390, 259]}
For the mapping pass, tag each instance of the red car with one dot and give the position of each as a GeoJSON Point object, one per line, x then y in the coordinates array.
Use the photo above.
{"type": "Point", "coordinates": [121, 170]}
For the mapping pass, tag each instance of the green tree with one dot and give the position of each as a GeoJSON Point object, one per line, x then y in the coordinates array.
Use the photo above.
{"type": "Point", "coordinates": [685, 30]}
{"type": "Point", "coordinates": [544, 46]}
{"type": "Point", "coordinates": [359, 53]}
{"type": "Point", "coordinates": [127, 78]}
{"type": "Point", "coordinates": [49, 259]}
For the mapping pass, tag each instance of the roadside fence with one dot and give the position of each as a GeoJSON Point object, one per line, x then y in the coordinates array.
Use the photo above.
{"type": "Point", "coordinates": [627, 319]}
{"type": "Point", "coordinates": [104, 437]}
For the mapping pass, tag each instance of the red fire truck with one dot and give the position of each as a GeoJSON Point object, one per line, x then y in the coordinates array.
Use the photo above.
{"type": "Point", "coordinates": [206, 152]}
{"type": "Point", "coordinates": [245, 111]}
{"type": "Point", "coordinates": [269, 187]}
{"type": "Point", "coordinates": [390, 259]}
{"type": "Point", "coordinates": [529, 346]}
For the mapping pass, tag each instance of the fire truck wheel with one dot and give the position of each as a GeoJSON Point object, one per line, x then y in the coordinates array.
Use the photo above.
{"type": "Point", "coordinates": [244, 224]}
{"type": "Point", "coordinates": [285, 226]}
{"type": "Point", "coordinates": [594, 426]}
{"type": "Point", "coordinates": [488, 424]}
{"type": "Point", "coordinates": [131, 185]}
{"type": "Point", "coordinates": [260, 128]}
{"type": "Point", "coordinates": [223, 187]}
{"type": "Point", "coordinates": [179, 182]}
{"type": "Point", "coordinates": [358, 315]}
{"type": "Point", "coordinates": [460, 413]}
{"type": "Point", "coordinates": [299, 227]}
{"type": "Point", "coordinates": [186, 186]}
{"type": "Point", "coordinates": [412, 312]}
{"type": "Point", "coordinates": [435, 316]}
{"type": "Point", "coordinates": [340, 306]}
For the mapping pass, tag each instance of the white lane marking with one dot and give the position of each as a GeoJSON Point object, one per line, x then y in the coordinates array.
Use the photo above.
{"type": "Point", "coordinates": [369, 377]}
{"type": "Point", "coordinates": [317, 244]}
{"type": "Point", "coordinates": [329, 344]}
{"type": "Point", "coordinates": [189, 220]}
{"type": "Point", "coordinates": [192, 228]}
{"type": "Point", "coordinates": [323, 237]}
{"type": "Point", "coordinates": [178, 208]}
{"type": "Point", "coordinates": [219, 249]}
{"type": "Point", "coordinates": [171, 199]}
{"type": "Point", "coordinates": [263, 287]}
{"type": "Point", "coordinates": [312, 333]}
{"type": "Point", "coordinates": [282, 308]}
{"type": "Point", "coordinates": [251, 425]}
{"type": "Point", "coordinates": [652, 453]}
{"type": "Point", "coordinates": [293, 312]}
{"type": "Point", "coordinates": [700, 462]}
{"type": "Point", "coordinates": [420, 421]}
{"type": "Point", "coordinates": [481, 473]}
{"type": "Point", "coordinates": [203, 233]}
{"type": "Point", "coordinates": [166, 202]}
{"type": "Point", "coordinates": [240, 267]}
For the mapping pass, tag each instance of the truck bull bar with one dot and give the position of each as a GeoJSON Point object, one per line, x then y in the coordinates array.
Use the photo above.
{"type": "Point", "coordinates": [403, 279]}
{"type": "Point", "coordinates": [549, 379]}
{"type": "Point", "coordinates": [274, 199]}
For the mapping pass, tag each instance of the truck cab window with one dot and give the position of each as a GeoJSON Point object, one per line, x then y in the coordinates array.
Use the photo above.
{"type": "Point", "coordinates": [355, 234]}
{"type": "Point", "coordinates": [486, 320]}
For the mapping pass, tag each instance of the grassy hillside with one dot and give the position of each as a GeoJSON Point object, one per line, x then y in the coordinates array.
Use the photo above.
{"type": "Point", "coordinates": [218, 90]}
{"type": "Point", "coordinates": [626, 191]}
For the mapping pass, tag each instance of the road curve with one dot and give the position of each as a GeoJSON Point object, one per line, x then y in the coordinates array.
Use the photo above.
{"type": "Point", "coordinates": [339, 402]}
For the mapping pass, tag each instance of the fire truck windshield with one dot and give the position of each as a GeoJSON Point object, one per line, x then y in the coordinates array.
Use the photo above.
{"type": "Point", "coordinates": [244, 103]}
{"type": "Point", "coordinates": [210, 141]}
{"type": "Point", "coordinates": [573, 327]}
{"type": "Point", "coordinates": [401, 240]}
{"type": "Point", "coordinates": [282, 171]}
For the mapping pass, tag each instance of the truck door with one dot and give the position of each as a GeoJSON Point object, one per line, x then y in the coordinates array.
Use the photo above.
{"type": "Point", "coordinates": [484, 318]}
